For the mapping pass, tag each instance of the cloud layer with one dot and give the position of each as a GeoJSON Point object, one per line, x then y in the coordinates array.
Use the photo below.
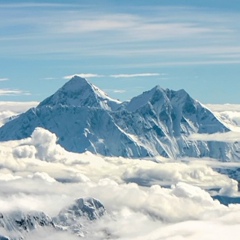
{"type": "Point", "coordinates": [38, 174]}
{"type": "Point", "coordinates": [160, 198]}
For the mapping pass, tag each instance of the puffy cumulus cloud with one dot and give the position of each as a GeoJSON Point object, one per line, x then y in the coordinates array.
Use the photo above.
{"type": "Point", "coordinates": [168, 214]}
{"type": "Point", "coordinates": [185, 190]}
{"type": "Point", "coordinates": [230, 190]}
{"type": "Point", "coordinates": [24, 151]}
{"type": "Point", "coordinates": [45, 145]}
{"type": "Point", "coordinates": [42, 176]}
{"type": "Point", "coordinates": [163, 204]}
{"type": "Point", "coordinates": [148, 173]}
{"type": "Point", "coordinates": [8, 177]}
{"type": "Point", "coordinates": [37, 174]}
{"type": "Point", "coordinates": [187, 230]}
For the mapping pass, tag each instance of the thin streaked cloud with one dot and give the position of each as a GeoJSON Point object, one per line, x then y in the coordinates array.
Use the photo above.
{"type": "Point", "coordinates": [12, 92]}
{"type": "Point", "coordinates": [83, 75]}
{"type": "Point", "coordinates": [135, 75]}
{"type": "Point", "coordinates": [119, 91]}
{"type": "Point", "coordinates": [49, 78]}
{"type": "Point", "coordinates": [4, 79]}
{"type": "Point", "coordinates": [91, 75]}
{"type": "Point", "coordinates": [134, 28]}
{"type": "Point", "coordinates": [33, 5]}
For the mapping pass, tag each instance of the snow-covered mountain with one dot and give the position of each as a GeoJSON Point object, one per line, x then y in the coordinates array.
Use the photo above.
{"type": "Point", "coordinates": [18, 223]}
{"type": "Point", "coordinates": [157, 122]}
{"type": "Point", "coordinates": [74, 219]}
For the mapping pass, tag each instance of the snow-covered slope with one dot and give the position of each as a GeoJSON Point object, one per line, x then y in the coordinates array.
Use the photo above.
{"type": "Point", "coordinates": [18, 223]}
{"type": "Point", "coordinates": [157, 122]}
{"type": "Point", "coordinates": [78, 92]}
{"type": "Point", "coordinates": [73, 218]}
{"type": "Point", "coordinates": [77, 216]}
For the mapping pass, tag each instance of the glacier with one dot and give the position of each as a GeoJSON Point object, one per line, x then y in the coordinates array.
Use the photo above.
{"type": "Point", "coordinates": [157, 122]}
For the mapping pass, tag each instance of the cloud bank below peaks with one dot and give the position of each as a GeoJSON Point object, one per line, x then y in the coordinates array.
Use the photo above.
{"type": "Point", "coordinates": [38, 174]}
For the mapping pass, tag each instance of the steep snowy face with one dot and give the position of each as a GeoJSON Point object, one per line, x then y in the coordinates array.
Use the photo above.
{"type": "Point", "coordinates": [163, 120]}
{"type": "Point", "coordinates": [79, 92]}
{"type": "Point", "coordinates": [157, 122]}
{"type": "Point", "coordinates": [156, 97]}
{"type": "Point", "coordinates": [18, 222]}
{"type": "Point", "coordinates": [74, 218]}
{"type": "Point", "coordinates": [85, 208]}
{"type": "Point", "coordinates": [176, 111]}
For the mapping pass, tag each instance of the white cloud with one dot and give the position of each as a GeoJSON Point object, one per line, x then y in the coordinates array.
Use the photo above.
{"type": "Point", "coordinates": [229, 114]}
{"type": "Point", "coordinates": [37, 174]}
{"type": "Point", "coordinates": [224, 107]}
{"type": "Point", "coordinates": [49, 78]}
{"type": "Point", "coordinates": [83, 75]}
{"type": "Point", "coordinates": [3, 79]}
{"type": "Point", "coordinates": [11, 109]}
{"type": "Point", "coordinates": [135, 75]}
{"type": "Point", "coordinates": [219, 137]}
{"type": "Point", "coordinates": [12, 92]}
{"type": "Point", "coordinates": [119, 91]}
{"type": "Point", "coordinates": [96, 24]}
{"type": "Point", "coordinates": [42, 176]}
{"type": "Point", "coordinates": [31, 5]}
{"type": "Point", "coordinates": [76, 32]}
{"type": "Point", "coordinates": [17, 107]}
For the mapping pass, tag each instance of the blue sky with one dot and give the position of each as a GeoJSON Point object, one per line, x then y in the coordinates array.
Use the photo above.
{"type": "Point", "coordinates": [124, 47]}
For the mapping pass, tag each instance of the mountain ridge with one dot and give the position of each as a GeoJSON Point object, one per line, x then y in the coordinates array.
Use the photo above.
{"type": "Point", "coordinates": [79, 92]}
{"type": "Point", "coordinates": [157, 122]}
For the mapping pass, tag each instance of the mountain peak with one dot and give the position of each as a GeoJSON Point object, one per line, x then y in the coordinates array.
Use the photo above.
{"type": "Point", "coordinates": [155, 94]}
{"type": "Point", "coordinates": [157, 122]}
{"type": "Point", "coordinates": [76, 83]}
{"type": "Point", "coordinates": [79, 92]}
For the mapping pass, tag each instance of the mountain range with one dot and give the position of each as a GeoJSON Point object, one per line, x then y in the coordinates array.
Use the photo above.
{"type": "Point", "coordinates": [74, 219]}
{"type": "Point", "coordinates": [157, 122]}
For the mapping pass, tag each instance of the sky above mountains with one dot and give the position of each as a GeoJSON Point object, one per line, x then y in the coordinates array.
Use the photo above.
{"type": "Point", "coordinates": [124, 47]}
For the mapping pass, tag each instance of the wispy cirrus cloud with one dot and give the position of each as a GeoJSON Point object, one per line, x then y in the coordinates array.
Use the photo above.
{"type": "Point", "coordinates": [31, 5]}
{"type": "Point", "coordinates": [83, 75]}
{"type": "Point", "coordinates": [4, 79]}
{"type": "Point", "coordinates": [119, 91]}
{"type": "Point", "coordinates": [94, 24]}
{"type": "Point", "coordinates": [116, 37]}
{"type": "Point", "coordinates": [135, 75]}
{"type": "Point", "coordinates": [93, 75]}
{"type": "Point", "coordinates": [13, 92]}
{"type": "Point", "coordinates": [49, 78]}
